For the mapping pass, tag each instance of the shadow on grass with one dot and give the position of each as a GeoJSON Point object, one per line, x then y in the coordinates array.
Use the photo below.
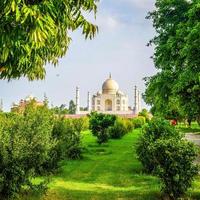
{"type": "Point", "coordinates": [189, 130]}
{"type": "Point", "coordinates": [71, 194]}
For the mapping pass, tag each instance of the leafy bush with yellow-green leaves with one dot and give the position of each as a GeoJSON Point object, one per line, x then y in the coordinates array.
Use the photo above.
{"type": "Point", "coordinates": [99, 125]}
{"type": "Point", "coordinates": [144, 113]}
{"type": "Point", "coordinates": [120, 128]}
{"type": "Point", "coordinates": [67, 133]}
{"type": "Point", "coordinates": [164, 152]}
{"type": "Point", "coordinates": [34, 142]}
{"type": "Point", "coordinates": [174, 165]}
{"type": "Point", "coordinates": [138, 122]}
{"type": "Point", "coordinates": [25, 143]}
{"type": "Point", "coordinates": [105, 126]}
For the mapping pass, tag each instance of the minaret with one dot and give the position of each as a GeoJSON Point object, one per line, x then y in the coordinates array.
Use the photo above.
{"type": "Point", "coordinates": [135, 100]}
{"type": "Point", "coordinates": [89, 102]}
{"type": "Point", "coordinates": [77, 101]}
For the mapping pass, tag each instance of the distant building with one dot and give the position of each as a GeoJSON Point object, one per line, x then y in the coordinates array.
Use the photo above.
{"type": "Point", "coordinates": [20, 107]}
{"type": "Point", "coordinates": [110, 100]}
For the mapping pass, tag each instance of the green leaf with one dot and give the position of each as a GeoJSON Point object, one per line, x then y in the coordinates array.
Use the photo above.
{"type": "Point", "coordinates": [13, 5]}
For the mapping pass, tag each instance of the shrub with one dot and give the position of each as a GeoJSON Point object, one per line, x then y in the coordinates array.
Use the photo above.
{"type": "Point", "coordinates": [67, 133]}
{"type": "Point", "coordinates": [138, 122]}
{"type": "Point", "coordinates": [37, 127]}
{"type": "Point", "coordinates": [128, 124]}
{"type": "Point", "coordinates": [25, 141]}
{"type": "Point", "coordinates": [99, 124]}
{"type": "Point", "coordinates": [157, 128]}
{"type": "Point", "coordinates": [144, 113]}
{"type": "Point", "coordinates": [175, 166]}
{"type": "Point", "coordinates": [80, 124]}
{"type": "Point", "coordinates": [72, 138]}
{"type": "Point", "coordinates": [120, 128]}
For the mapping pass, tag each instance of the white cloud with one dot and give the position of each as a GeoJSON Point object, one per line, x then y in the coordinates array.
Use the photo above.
{"type": "Point", "coordinates": [104, 20]}
{"type": "Point", "coordinates": [144, 4]}
{"type": "Point", "coordinates": [108, 22]}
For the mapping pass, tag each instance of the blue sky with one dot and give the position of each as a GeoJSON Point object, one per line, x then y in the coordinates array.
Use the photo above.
{"type": "Point", "coordinates": [119, 48]}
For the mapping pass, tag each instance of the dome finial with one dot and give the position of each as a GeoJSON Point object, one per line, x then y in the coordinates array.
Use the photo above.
{"type": "Point", "coordinates": [110, 76]}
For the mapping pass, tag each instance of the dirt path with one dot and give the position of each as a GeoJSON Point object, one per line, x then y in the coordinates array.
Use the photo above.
{"type": "Point", "coordinates": [193, 138]}
{"type": "Point", "coordinates": [196, 139]}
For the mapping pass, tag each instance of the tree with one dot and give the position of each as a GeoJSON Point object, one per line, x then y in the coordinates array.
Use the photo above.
{"type": "Point", "coordinates": [36, 32]}
{"type": "Point", "coordinates": [72, 107]}
{"type": "Point", "coordinates": [163, 103]}
{"type": "Point", "coordinates": [99, 124]}
{"type": "Point", "coordinates": [25, 143]}
{"type": "Point", "coordinates": [175, 166]}
{"type": "Point", "coordinates": [176, 57]}
{"type": "Point", "coordinates": [146, 114]}
{"type": "Point", "coordinates": [164, 152]}
{"type": "Point", "coordinates": [45, 100]}
{"type": "Point", "coordinates": [156, 129]}
{"type": "Point", "coordinates": [61, 110]}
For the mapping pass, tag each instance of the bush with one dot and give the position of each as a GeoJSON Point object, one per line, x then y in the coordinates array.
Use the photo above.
{"type": "Point", "coordinates": [25, 141]}
{"type": "Point", "coordinates": [72, 138]}
{"type": "Point", "coordinates": [80, 124]}
{"type": "Point", "coordinates": [162, 151]}
{"type": "Point", "coordinates": [33, 142]}
{"type": "Point", "coordinates": [99, 124]}
{"type": "Point", "coordinates": [174, 165]}
{"type": "Point", "coordinates": [157, 128]}
{"type": "Point", "coordinates": [138, 122]}
{"type": "Point", "coordinates": [120, 128]}
{"type": "Point", "coordinates": [144, 113]}
{"type": "Point", "coordinates": [67, 133]}
{"type": "Point", "coordinates": [128, 124]}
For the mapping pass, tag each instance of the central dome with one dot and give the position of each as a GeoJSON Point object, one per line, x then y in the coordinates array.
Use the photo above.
{"type": "Point", "coordinates": [110, 86]}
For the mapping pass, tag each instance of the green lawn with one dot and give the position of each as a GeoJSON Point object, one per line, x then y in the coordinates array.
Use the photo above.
{"type": "Point", "coordinates": [110, 171]}
{"type": "Point", "coordinates": [195, 128]}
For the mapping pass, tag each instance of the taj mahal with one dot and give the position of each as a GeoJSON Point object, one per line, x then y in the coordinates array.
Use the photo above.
{"type": "Point", "coordinates": [110, 100]}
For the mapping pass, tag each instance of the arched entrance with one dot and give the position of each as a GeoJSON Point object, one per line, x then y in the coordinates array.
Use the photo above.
{"type": "Point", "coordinates": [108, 105]}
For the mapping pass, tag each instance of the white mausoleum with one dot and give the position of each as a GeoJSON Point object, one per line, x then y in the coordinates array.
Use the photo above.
{"type": "Point", "coordinates": [110, 100]}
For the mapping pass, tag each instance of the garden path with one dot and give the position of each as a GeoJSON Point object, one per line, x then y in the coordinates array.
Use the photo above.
{"type": "Point", "coordinates": [193, 137]}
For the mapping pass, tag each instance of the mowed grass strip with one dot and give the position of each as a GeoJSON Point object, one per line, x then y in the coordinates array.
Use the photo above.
{"type": "Point", "coordinates": [108, 171]}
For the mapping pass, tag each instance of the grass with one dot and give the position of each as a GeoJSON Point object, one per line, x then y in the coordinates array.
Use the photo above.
{"type": "Point", "coordinates": [195, 128]}
{"type": "Point", "coordinates": [107, 172]}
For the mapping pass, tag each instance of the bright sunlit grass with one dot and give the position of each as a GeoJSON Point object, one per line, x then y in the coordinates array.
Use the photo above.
{"type": "Point", "coordinates": [108, 171]}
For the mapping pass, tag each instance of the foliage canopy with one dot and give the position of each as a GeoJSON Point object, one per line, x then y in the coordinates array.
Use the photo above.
{"type": "Point", "coordinates": [99, 124]}
{"type": "Point", "coordinates": [25, 141]}
{"type": "Point", "coordinates": [36, 32]}
{"type": "Point", "coordinates": [176, 86]}
{"type": "Point", "coordinates": [157, 128]}
{"type": "Point", "coordinates": [175, 166]}
{"type": "Point", "coordinates": [163, 152]}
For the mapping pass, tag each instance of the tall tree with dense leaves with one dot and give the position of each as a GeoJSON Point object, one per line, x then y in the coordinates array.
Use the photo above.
{"type": "Point", "coordinates": [36, 32]}
{"type": "Point", "coordinates": [72, 107]}
{"type": "Point", "coordinates": [177, 24]}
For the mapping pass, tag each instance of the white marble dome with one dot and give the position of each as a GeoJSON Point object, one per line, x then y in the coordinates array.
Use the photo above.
{"type": "Point", "coordinates": [110, 86]}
